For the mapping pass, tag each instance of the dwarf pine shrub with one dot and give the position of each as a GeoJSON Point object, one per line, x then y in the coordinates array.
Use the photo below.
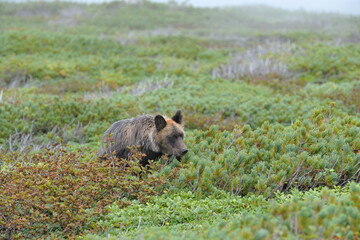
{"type": "Point", "coordinates": [314, 214]}
{"type": "Point", "coordinates": [321, 151]}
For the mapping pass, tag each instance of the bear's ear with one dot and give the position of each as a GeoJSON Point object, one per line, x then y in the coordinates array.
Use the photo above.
{"type": "Point", "coordinates": [178, 117]}
{"type": "Point", "coordinates": [160, 122]}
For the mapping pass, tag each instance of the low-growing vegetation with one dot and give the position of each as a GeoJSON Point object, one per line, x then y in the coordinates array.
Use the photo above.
{"type": "Point", "coordinates": [271, 110]}
{"type": "Point", "coordinates": [322, 213]}
{"type": "Point", "coordinates": [64, 192]}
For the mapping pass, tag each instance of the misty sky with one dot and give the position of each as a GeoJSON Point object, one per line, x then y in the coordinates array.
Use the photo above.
{"type": "Point", "coordinates": [335, 6]}
{"type": "Point", "coordinates": [340, 6]}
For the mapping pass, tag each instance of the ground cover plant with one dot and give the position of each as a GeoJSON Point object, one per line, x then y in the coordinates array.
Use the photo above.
{"type": "Point", "coordinates": [271, 110]}
{"type": "Point", "coordinates": [61, 191]}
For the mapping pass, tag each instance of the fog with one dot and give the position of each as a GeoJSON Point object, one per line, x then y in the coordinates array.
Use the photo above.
{"type": "Point", "coordinates": [336, 6]}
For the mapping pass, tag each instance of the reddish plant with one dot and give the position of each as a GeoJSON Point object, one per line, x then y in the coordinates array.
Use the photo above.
{"type": "Point", "coordinates": [57, 192]}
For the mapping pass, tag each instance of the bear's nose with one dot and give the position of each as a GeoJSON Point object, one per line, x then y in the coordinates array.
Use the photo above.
{"type": "Point", "coordinates": [184, 151]}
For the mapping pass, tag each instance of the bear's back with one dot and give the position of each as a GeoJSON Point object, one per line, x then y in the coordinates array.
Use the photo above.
{"type": "Point", "coordinates": [128, 132]}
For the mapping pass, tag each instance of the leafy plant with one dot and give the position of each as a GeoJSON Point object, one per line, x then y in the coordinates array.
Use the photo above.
{"type": "Point", "coordinates": [61, 192]}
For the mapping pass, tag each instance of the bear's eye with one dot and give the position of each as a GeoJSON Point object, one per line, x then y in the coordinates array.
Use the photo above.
{"type": "Point", "coordinates": [172, 138]}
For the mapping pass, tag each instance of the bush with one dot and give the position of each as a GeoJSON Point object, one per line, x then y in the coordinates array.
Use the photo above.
{"type": "Point", "coordinates": [321, 151]}
{"type": "Point", "coordinates": [57, 192]}
{"type": "Point", "coordinates": [317, 214]}
{"type": "Point", "coordinates": [347, 92]}
{"type": "Point", "coordinates": [329, 63]}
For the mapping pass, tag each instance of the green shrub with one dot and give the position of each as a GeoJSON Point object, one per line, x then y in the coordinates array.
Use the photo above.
{"type": "Point", "coordinates": [324, 62]}
{"type": "Point", "coordinates": [320, 215]}
{"type": "Point", "coordinates": [182, 208]}
{"type": "Point", "coordinates": [347, 92]}
{"type": "Point", "coordinates": [321, 151]}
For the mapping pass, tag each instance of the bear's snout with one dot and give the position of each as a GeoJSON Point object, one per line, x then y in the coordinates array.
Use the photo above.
{"type": "Point", "coordinates": [184, 151]}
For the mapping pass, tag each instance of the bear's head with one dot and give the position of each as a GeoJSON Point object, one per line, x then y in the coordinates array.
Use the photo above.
{"type": "Point", "coordinates": [170, 135]}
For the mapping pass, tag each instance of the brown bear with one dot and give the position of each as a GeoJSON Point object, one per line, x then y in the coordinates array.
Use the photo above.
{"type": "Point", "coordinates": [156, 135]}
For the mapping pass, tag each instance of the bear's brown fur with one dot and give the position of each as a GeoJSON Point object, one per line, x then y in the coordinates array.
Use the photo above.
{"type": "Point", "coordinates": [156, 136]}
